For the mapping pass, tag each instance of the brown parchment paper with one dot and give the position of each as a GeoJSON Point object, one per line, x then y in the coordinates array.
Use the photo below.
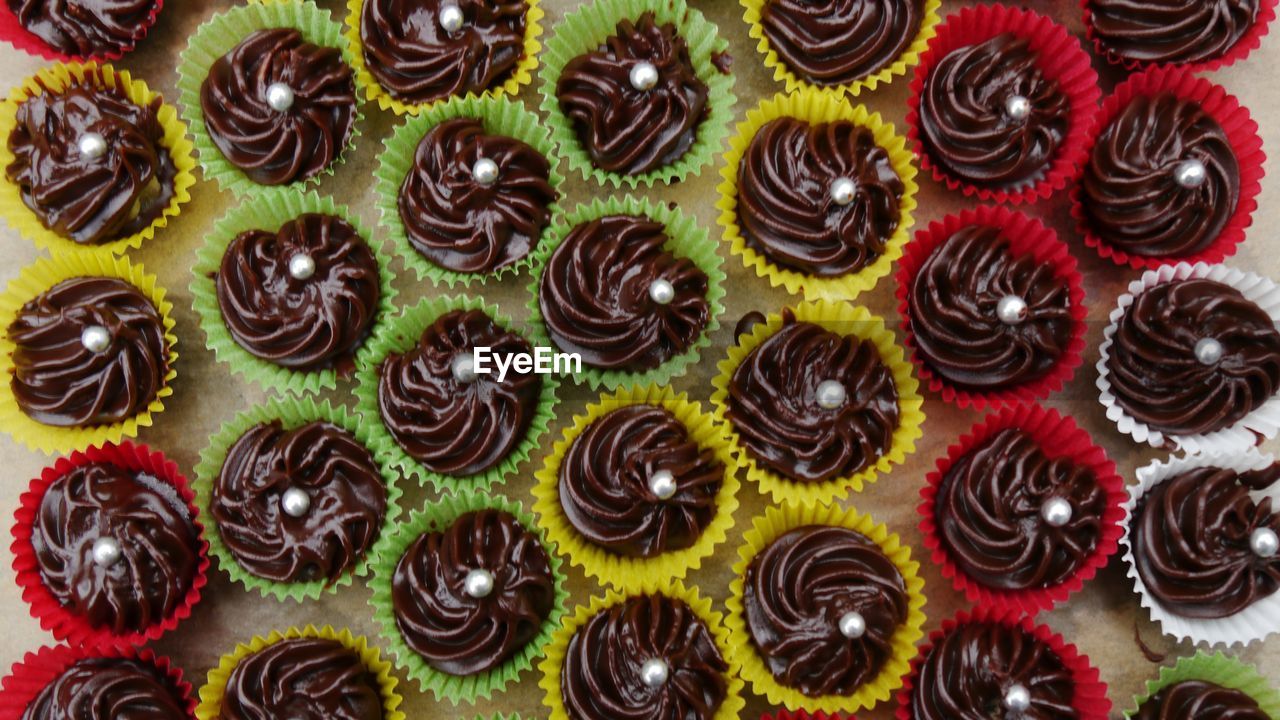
{"type": "Point", "coordinates": [1102, 619]}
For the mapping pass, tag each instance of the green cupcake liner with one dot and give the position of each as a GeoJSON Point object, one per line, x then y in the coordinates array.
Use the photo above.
{"type": "Point", "coordinates": [501, 117]}
{"type": "Point", "coordinates": [1220, 670]}
{"type": "Point", "coordinates": [268, 210]}
{"type": "Point", "coordinates": [685, 239]}
{"type": "Point", "coordinates": [584, 29]}
{"type": "Point", "coordinates": [433, 518]}
{"type": "Point", "coordinates": [218, 36]}
{"type": "Point", "coordinates": [292, 413]}
{"type": "Point", "coordinates": [401, 333]}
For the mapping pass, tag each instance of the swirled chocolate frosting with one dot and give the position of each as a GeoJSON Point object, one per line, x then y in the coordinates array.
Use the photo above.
{"type": "Point", "coordinates": [159, 547]}
{"type": "Point", "coordinates": [415, 59]}
{"type": "Point", "coordinates": [1130, 196]}
{"type": "Point", "coordinates": [343, 520]}
{"type": "Point", "coordinates": [773, 403]}
{"type": "Point", "coordinates": [87, 199]}
{"type": "Point", "coordinates": [307, 323]}
{"type": "Point", "coordinates": [108, 689]}
{"type": "Point", "coordinates": [454, 631]}
{"type": "Point", "coordinates": [785, 205]}
{"type": "Point", "coordinates": [989, 507]}
{"type": "Point", "coordinates": [1199, 700]}
{"type": "Point", "coordinates": [453, 426]}
{"type": "Point", "coordinates": [1155, 375]}
{"type": "Point", "coordinates": [58, 381]}
{"type": "Point", "coordinates": [464, 225]}
{"type": "Point", "coordinates": [833, 42]}
{"type": "Point", "coordinates": [277, 147]}
{"type": "Point", "coordinates": [796, 592]}
{"type": "Point", "coordinates": [1171, 31]}
{"type": "Point", "coordinates": [605, 482]}
{"type": "Point", "coordinates": [86, 28]}
{"type": "Point", "coordinates": [956, 329]}
{"type": "Point", "coordinates": [1190, 539]}
{"type": "Point", "coordinates": [967, 674]}
{"type": "Point", "coordinates": [965, 125]}
{"type": "Point", "coordinates": [601, 678]}
{"type": "Point", "coordinates": [302, 679]}
{"type": "Point", "coordinates": [595, 295]}
{"type": "Point", "coordinates": [623, 129]}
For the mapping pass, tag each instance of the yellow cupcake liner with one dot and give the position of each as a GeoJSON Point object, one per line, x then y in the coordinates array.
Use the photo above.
{"type": "Point", "coordinates": [910, 57]}
{"type": "Point", "coordinates": [816, 106]}
{"type": "Point", "coordinates": [554, 660]}
{"type": "Point", "coordinates": [39, 277]}
{"type": "Point", "coordinates": [521, 75]}
{"type": "Point", "coordinates": [56, 78]}
{"type": "Point", "coordinates": [215, 688]}
{"type": "Point", "coordinates": [844, 319]}
{"type": "Point", "coordinates": [777, 521]}
{"type": "Point", "coordinates": [630, 574]}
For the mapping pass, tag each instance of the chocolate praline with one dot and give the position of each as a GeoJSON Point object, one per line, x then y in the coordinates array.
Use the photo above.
{"type": "Point", "coordinates": [100, 504]}
{"type": "Point", "coordinates": [1171, 31]}
{"type": "Point", "coordinates": [464, 223]}
{"type": "Point", "coordinates": [836, 42]}
{"type": "Point", "coordinates": [302, 321]}
{"type": "Point", "coordinates": [58, 380]}
{"type": "Point", "coordinates": [87, 28]}
{"type": "Point", "coordinates": [1153, 368]}
{"type": "Point", "coordinates": [279, 146]}
{"type": "Point", "coordinates": [441, 617]}
{"type": "Point", "coordinates": [602, 677]}
{"type": "Point", "coordinates": [109, 689]}
{"type": "Point", "coordinates": [302, 679]}
{"type": "Point", "coordinates": [1199, 700]}
{"type": "Point", "coordinates": [787, 204]}
{"type": "Point", "coordinates": [628, 130]}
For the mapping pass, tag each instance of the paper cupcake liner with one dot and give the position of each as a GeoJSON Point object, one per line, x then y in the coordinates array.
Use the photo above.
{"type": "Point", "coordinates": [815, 106]}
{"type": "Point", "coordinates": [782, 72]}
{"type": "Point", "coordinates": [1064, 60]}
{"type": "Point", "coordinates": [554, 660]}
{"type": "Point", "coordinates": [520, 75]}
{"type": "Point", "coordinates": [629, 574]}
{"type": "Point", "coordinates": [13, 33]}
{"type": "Point", "coordinates": [501, 116]}
{"type": "Point", "coordinates": [776, 522]}
{"type": "Point", "coordinates": [215, 688]}
{"type": "Point", "coordinates": [1263, 422]}
{"type": "Point", "coordinates": [1026, 236]}
{"type": "Point", "coordinates": [218, 36]}
{"type": "Point", "coordinates": [1245, 45]}
{"type": "Point", "coordinates": [1246, 145]}
{"type": "Point", "coordinates": [436, 517]}
{"type": "Point", "coordinates": [30, 676]}
{"type": "Point", "coordinates": [55, 79]}
{"type": "Point", "coordinates": [844, 319]}
{"type": "Point", "coordinates": [35, 279]}
{"type": "Point", "coordinates": [65, 625]}
{"type": "Point", "coordinates": [1059, 437]}
{"type": "Point", "coordinates": [1254, 623]}
{"type": "Point", "coordinates": [292, 413]}
{"type": "Point", "coordinates": [684, 239]}
{"type": "Point", "coordinates": [401, 333]}
{"type": "Point", "coordinates": [267, 210]}
{"type": "Point", "coordinates": [1220, 670]}
{"type": "Point", "coordinates": [584, 29]}
{"type": "Point", "coordinates": [1090, 702]}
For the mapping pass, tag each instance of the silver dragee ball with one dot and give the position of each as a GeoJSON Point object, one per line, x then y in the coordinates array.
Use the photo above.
{"type": "Point", "coordinates": [92, 145]}
{"type": "Point", "coordinates": [1190, 173]}
{"type": "Point", "coordinates": [1057, 511]}
{"type": "Point", "coordinates": [302, 266]}
{"type": "Point", "coordinates": [1018, 107]}
{"type": "Point", "coordinates": [451, 18]}
{"type": "Point", "coordinates": [1208, 351]}
{"type": "Point", "coordinates": [655, 672]}
{"type": "Point", "coordinates": [1011, 309]}
{"type": "Point", "coordinates": [279, 96]}
{"type": "Point", "coordinates": [464, 367]}
{"type": "Point", "coordinates": [843, 190]}
{"type": "Point", "coordinates": [295, 502]}
{"type": "Point", "coordinates": [479, 583]}
{"type": "Point", "coordinates": [644, 75]}
{"type": "Point", "coordinates": [853, 625]}
{"type": "Point", "coordinates": [1017, 698]}
{"type": "Point", "coordinates": [485, 171]}
{"type": "Point", "coordinates": [95, 338]}
{"type": "Point", "coordinates": [662, 291]}
{"type": "Point", "coordinates": [662, 484]}
{"type": "Point", "coordinates": [1264, 542]}
{"type": "Point", "coordinates": [831, 394]}
{"type": "Point", "coordinates": [107, 551]}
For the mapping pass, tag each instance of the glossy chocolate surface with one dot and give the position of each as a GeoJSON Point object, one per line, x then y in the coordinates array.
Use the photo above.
{"type": "Point", "coordinates": [1171, 31]}
{"type": "Point", "coordinates": [302, 679]}
{"type": "Point", "coordinates": [835, 42]}
{"type": "Point", "coordinates": [86, 28]}
{"type": "Point", "coordinates": [108, 689]}
{"type": "Point", "coordinates": [1199, 700]}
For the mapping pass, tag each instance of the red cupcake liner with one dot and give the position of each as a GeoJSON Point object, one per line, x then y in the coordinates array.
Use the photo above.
{"type": "Point", "coordinates": [65, 625]}
{"type": "Point", "coordinates": [797, 715]}
{"type": "Point", "coordinates": [12, 32]}
{"type": "Point", "coordinates": [1090, 702]}
{"type": "Point", "coordinates": [1026, 235]}
{"type": "Point", "coordinates": [1065, 61]}
{"type": "Point", "coordinates": [38, 669]}
{"type": "Point", "coordinates": [1245, 45]}
{"type": "Point", "coordinates": [1242, 134]}
{"type": "Point", "coordinates": [1059, 437]}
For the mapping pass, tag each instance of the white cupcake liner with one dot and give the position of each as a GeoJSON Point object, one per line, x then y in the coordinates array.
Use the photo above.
{"type": "Point", "coordinates": [1263, 422]}
{"type": "Point", "coordinates": [1252, 624]}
